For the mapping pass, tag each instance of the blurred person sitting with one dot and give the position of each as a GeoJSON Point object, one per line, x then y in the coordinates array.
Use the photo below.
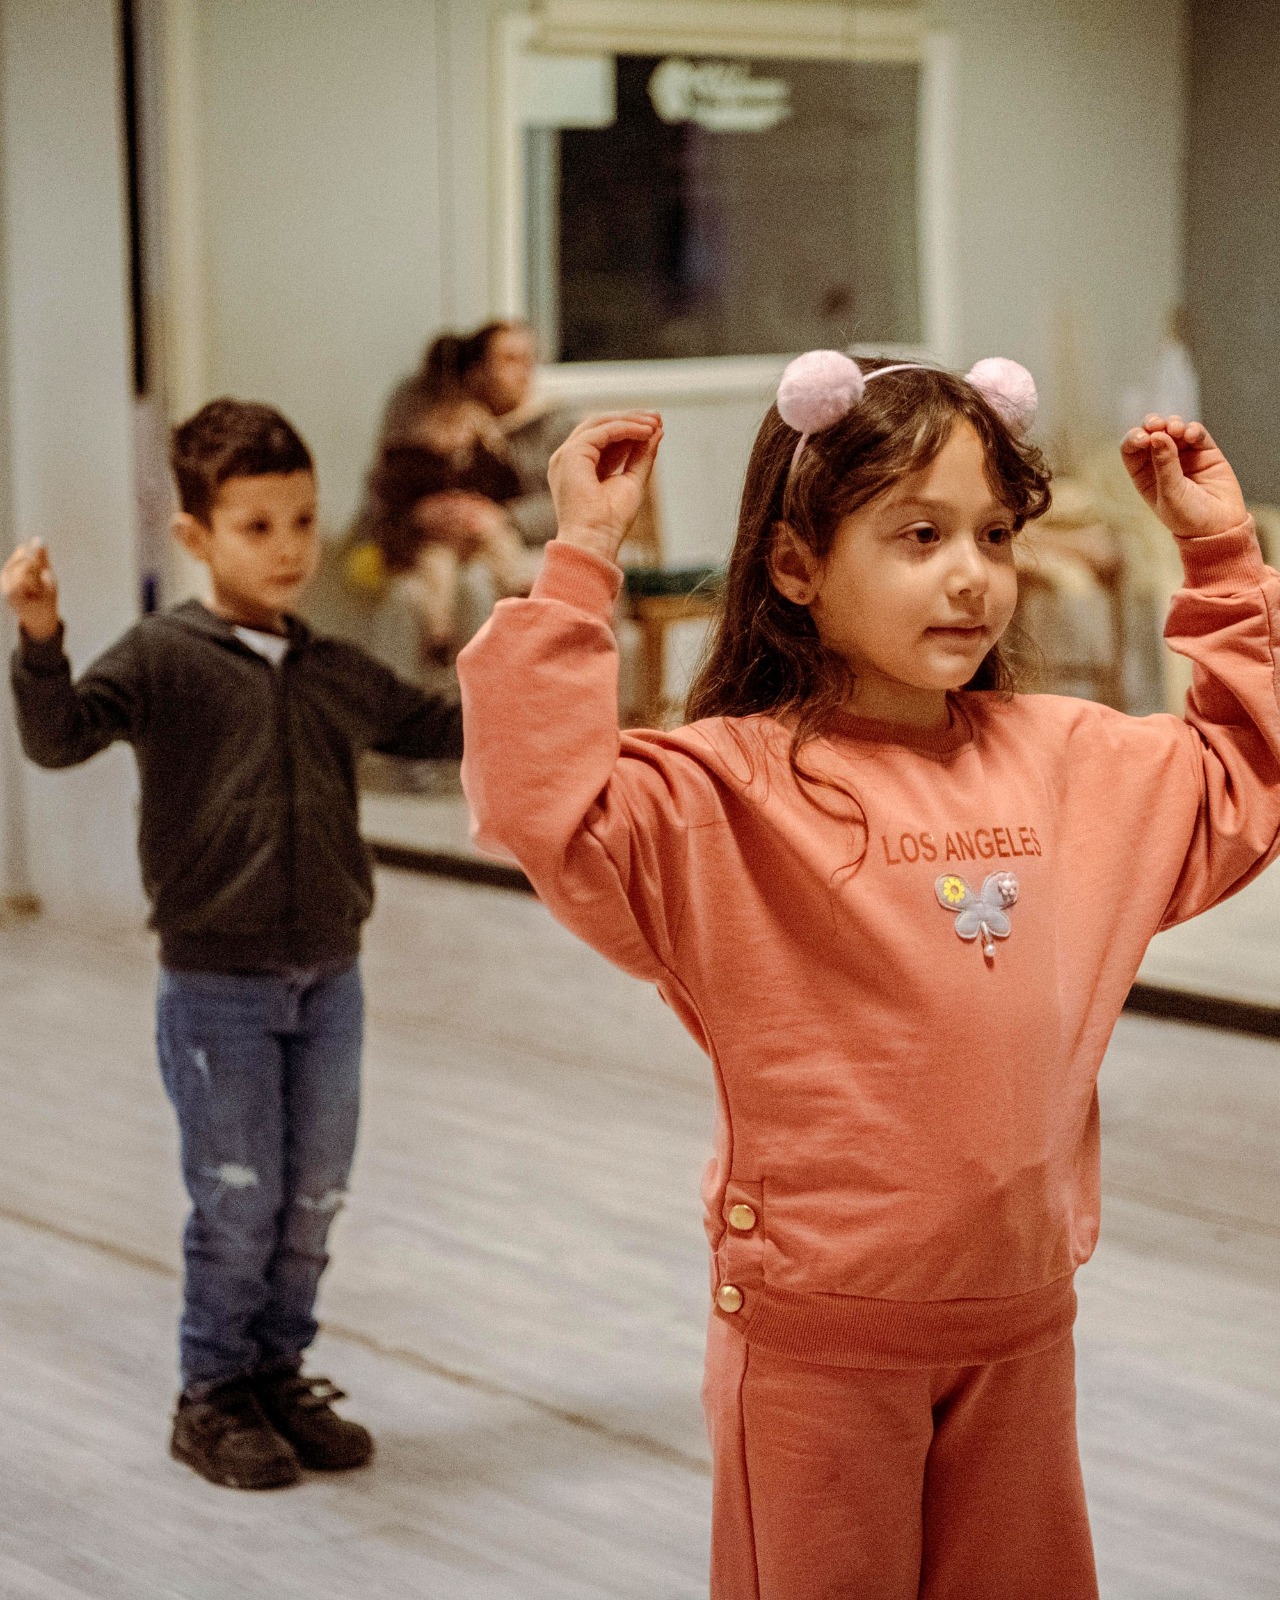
{"type": "Point", "coordinates": [496, 366]}
{"type": "Point", "coordinates": [437, 501]}
{"type": "Point", "coordinates": [457, 505]}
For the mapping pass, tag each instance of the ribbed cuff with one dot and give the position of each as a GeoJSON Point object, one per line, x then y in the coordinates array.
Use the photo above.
{"type": "Point", "coordinates": [1225, 562]}
{"type": "Point", "coordinates": [42, 655]}
{"type": "Point", "coordinates": [579, 578]}
{"type": "Point", "coordinates": [836, 1330]}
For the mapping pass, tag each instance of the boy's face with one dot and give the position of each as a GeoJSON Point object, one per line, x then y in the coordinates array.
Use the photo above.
{"type": "Point", "coordinates": [261, 545]}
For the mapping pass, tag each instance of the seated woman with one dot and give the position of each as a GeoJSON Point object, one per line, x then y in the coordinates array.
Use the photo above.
{"type": "Point", "coordinates": [458, 507]}
{"type": "Point", "coordinates": [495, 367]}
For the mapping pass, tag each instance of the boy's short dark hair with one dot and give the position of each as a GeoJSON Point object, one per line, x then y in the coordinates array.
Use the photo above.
{"type": "Point", "coordinates": [231, 439]}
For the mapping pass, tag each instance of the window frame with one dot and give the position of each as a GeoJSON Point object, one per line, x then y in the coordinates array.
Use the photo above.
{"type": "Point", "coordinates": [725, 28]}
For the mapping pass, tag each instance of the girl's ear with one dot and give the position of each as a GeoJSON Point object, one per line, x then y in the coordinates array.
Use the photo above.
{"type": "Point", "coordinates": [793, 567]}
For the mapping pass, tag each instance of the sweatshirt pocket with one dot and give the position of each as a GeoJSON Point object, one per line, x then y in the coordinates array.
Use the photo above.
{"type": "Point", "coordinates": [231, 879]}
{"type": "Point", "coordinates": [334, 881]}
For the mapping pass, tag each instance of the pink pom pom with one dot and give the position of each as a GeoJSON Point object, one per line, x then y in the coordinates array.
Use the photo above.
{"type": "Point", "coordinates": [819, 388]}
{"type": "Point", "coordinates": [1009, 388]}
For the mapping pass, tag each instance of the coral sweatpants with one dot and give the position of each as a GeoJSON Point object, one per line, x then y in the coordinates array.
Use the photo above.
{"type": "Point", "coordinates": [931, 1483]}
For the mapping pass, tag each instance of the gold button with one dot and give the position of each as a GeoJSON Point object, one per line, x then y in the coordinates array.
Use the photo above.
{"type": "Point", "coordinates": [729, 1297]}
{"type": "Point", "coordinates": [741, 1217]}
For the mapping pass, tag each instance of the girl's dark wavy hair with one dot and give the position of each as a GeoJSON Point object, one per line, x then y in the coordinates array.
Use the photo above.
{"type": "Point", "coordinates": [764, 654]}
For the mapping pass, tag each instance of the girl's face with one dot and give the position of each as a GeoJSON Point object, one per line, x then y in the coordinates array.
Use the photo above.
{"type": "Point", "coordinates": [917, 587]}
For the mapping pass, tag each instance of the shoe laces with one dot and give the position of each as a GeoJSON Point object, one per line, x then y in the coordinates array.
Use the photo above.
{"type": "Point", "coordinates": [232, 1410]}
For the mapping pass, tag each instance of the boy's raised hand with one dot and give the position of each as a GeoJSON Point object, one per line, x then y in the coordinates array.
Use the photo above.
{"type": "Point", "coordinates": [1183, 477]}
{"type": "Point", "coordinates": [598, 479]}
{"type": "Point", "coordinates": [31, 590]}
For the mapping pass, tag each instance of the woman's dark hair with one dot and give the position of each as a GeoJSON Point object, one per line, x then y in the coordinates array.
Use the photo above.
{"type": "Point", "coordinates": [449, 360]}
{"type": "Point", "coordinates": [231, 439]}
{"type": "Point", "coordinates": [764, 654]}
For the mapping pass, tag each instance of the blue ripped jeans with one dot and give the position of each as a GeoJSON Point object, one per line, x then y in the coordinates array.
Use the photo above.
{"type": "Point", "coordinates": [264, 1074]}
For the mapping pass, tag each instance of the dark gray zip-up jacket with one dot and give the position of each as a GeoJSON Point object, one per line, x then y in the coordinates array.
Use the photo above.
{"type": "Point", "coordinates": [249, 834]}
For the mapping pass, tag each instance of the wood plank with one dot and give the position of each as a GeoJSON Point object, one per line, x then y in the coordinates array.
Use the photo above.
{"type": "Point", "coordinates": [470, 1494]}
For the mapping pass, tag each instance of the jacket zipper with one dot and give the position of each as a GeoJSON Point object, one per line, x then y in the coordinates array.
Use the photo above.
{"type": "Point", "coordinates": [291, 821]}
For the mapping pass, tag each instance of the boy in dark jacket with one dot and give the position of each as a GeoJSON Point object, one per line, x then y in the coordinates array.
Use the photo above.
{"type": "Point", "coordinates": [247, 729]}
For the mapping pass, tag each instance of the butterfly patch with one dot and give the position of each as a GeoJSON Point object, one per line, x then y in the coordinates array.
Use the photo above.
{"type": "Point", "coordinates": [984, 915]}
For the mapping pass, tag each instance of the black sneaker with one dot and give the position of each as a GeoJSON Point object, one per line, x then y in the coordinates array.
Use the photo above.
{"type": "Point", "coordinates": [225, 1437]}
{"type": "Point", "coordinates": [301, 1410]}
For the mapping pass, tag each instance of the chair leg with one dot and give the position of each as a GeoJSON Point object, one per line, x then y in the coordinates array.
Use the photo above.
{"type": "Point", "coordinates": [1119, 644]}
{"type": "Point", "coordinates": [653, 664]}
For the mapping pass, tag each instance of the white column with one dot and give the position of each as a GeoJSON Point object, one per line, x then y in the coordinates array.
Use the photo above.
{"type": "Point", "coordinates": [64, 367]}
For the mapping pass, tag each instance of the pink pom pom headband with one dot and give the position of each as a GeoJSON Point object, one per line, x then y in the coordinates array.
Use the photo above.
{"type": "Point", "coordinates": [820, 387]}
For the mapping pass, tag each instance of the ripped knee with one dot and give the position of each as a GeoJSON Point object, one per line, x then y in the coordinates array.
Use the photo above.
{"type": "Point", "coordinates": [231, 1176]}
{"type": "Point", "coordinates": [326, 1204]}
{"type": "Point", "coordinates": [308, 1217]}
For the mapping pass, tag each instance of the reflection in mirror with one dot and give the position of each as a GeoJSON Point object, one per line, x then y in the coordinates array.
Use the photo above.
{"type": "Point", "coordinates": [725, 209]}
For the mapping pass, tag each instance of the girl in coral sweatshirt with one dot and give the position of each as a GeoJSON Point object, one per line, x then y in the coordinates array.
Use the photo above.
{"type": "Point", "coordinates": [900, 907]}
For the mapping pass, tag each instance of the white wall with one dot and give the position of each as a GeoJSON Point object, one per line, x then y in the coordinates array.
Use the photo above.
{"type": "Point", "coordinates": [321, 185]}
{"type": "Point", "coordinates": [343, 172]}
{"type": "Point", "coordinates": [1069, 177]}
{"type": "Point", "coordinates": [343, 169]}
{"type": "Point", "coordinates": [67, 398]}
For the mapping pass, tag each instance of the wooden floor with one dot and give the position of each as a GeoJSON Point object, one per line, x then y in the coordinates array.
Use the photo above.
{"type": "Point", "coordinates": [518, 1293]}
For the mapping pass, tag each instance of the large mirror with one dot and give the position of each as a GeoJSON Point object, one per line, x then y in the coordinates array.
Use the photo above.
{"type": "Point", "coordinates": [668, 201]}
{"type": "Point", "coordinates": [432, 233]}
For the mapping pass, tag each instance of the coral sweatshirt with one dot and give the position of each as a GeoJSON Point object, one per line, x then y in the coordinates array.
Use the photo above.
{"type": "Point", "coordinates": [905, 1051]}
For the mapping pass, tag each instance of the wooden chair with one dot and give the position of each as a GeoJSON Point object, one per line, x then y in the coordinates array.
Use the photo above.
{"type": "Point", "coordinates": [1094, 550]}
{"type": "Point", "coordinates": [656, 599]}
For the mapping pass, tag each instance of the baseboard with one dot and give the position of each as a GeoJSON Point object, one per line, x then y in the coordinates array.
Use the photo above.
{"type": "Point", "coordinates": [1146, 999]}
{"type": "Point", "coordinates": [1205, 1010]}
{"type": "Point", "coordinates": [450, 864]}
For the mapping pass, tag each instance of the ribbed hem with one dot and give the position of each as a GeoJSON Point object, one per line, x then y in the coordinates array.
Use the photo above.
{"type": "Point", "coordinates": [1227, 562]}
{"type": "Point", "coordinates": [42, 656]}
{"type": "Point", "coordinates": [269, 954]}
{"type": "Point", "coordinates": [579, 578]}
{"type": "Point", "coordinates": [836, 1330]}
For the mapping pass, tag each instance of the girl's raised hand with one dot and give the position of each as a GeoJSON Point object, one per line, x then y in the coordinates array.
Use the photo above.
{"type": "Point", "coordinates": [31, 590]}
{"type": "Point", "coordinates": [598, 479]}
{"type": "Point", "coordinates": [1183, 477]}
